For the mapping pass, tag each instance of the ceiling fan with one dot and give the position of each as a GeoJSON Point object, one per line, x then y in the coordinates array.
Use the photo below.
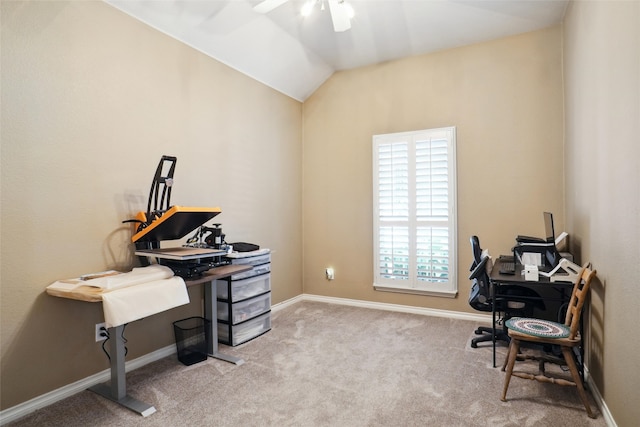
{"type": "Point", "coordinates": [341, 12]}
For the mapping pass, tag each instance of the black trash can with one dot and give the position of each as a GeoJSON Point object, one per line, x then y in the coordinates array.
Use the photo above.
{"type": "Point", "coordinates": [192, 339]}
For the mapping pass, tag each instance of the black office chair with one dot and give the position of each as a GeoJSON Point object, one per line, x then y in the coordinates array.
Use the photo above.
{"type": "Point", "coordinates": [480, 298]}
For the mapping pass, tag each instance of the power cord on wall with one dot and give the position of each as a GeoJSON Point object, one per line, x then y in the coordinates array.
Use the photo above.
{"type": "Point", "coordinates": [104, 332]}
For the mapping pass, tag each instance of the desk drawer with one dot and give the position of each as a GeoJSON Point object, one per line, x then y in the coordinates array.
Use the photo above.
{"type": "Point", "coordinates": [237, 334]}
{"type": "Point", "coordinates": [239, 290]}
{"type": "Point", "coordinates": [255, 271]}
{"type": "Point", "coordinates": [244, 310]}
{"type": "Point", "coordinates": [252, 260]}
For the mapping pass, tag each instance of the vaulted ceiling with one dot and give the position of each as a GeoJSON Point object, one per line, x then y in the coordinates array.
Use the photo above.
{"type": "Point", "coordinates": [295, 55]}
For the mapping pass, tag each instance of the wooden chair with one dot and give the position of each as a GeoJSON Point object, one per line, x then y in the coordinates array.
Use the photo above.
{"type": "Point", "coordinates": [566, 335]}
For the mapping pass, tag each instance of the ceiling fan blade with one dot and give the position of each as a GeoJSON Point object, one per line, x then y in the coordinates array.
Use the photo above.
{"type": "Point", "coordinates": [339, 16]}
{"type": "Point", "coordinates": [268, 5]}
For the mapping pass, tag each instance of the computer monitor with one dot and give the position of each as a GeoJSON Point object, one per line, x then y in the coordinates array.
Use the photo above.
{"type": "Point", "coordinates": [551, 254]}
{"type": "Point", "coordinates": [548, 227]}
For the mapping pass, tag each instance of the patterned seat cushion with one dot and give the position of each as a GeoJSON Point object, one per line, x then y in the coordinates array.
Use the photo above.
{"type": "Point", "coordinates": [538, 327]}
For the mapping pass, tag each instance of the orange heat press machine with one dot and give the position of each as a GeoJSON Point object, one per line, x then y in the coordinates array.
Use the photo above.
{"type": "Point", "coordinates": [162, 222]}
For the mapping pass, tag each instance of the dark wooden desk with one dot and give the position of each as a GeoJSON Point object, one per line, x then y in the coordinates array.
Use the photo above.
{"type": "Point", "coordinates": [553, 294]}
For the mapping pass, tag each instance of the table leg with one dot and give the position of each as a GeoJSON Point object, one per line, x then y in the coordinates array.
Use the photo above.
{"type": "Point", "coordinates": [117, 390]}
{"type": "Point", "coordinates": [493, 330]}
{"type": "Point", "coordinates": [211, 314]}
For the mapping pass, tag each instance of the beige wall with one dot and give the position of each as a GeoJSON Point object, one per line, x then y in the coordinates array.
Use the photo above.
{"type": "Point", "coordinates": [602, 91]}
{"type": "Point", "coordinates": [91, 99]}
{"type": "Point", "coordinates": [504, 97]}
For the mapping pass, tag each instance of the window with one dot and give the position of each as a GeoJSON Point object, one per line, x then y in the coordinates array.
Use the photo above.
{"type": "Point", "coordinates": [414, 204]}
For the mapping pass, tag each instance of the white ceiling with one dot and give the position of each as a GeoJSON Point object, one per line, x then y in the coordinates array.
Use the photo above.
{"type": "Point", "coordinates": [295, 55]}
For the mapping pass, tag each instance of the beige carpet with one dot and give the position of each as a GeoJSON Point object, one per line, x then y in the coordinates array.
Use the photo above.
{"type": "Point", "coordinates": [333, 365]}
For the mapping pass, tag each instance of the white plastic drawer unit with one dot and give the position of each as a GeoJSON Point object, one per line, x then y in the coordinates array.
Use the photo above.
{"type": "Point", "coordinates": [237, 334]}
{"type": "Point", "coordinates": [238, 290]}
{"type": "Point", "coordinates": [244, 310]}
{"type": "Point", "coordinates": [252, 260]}
{"type": "Point", "coordinates": [255, 271]}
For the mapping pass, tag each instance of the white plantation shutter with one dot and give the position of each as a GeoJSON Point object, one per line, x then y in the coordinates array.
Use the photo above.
{"type": "Point", "coordinates": [394, 209]}
{"type": "Point", "coordinates": [414, 211]}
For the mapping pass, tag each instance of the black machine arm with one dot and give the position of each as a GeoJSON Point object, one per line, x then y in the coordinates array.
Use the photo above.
{"type": "Point", "coordinates": [166, 182]}
{"type": "Point", "coordinates": [159, 202]}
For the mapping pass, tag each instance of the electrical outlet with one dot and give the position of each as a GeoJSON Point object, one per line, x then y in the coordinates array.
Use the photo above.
{"type": "Point", "coordinates": [329, 273]}
{"type": "Point", "coordinates": [99, 330]}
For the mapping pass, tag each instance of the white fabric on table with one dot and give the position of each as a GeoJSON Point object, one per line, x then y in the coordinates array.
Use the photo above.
{"type": "Point", "coordinates": [134, 277]}
{"type": "Point", "coordinates": [130, 303]}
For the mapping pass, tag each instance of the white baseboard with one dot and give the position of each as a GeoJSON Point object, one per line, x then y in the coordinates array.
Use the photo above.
{"type": "Point", "coordinates": [19, 411]}
{"type": "Point", "coordinates": [604, 409]}
{"type": "Point", "coordinates": [485, 318]}
{"type": "Point", "coordinates": [287, 303]}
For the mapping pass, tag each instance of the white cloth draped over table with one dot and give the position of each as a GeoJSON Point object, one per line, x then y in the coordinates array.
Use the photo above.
{"type": "Point", "coordinates": [134, 295]}
{"type": "Point", "coordinates": [131, 303]}
{"type": "Point", "coordinates": [134, 277]}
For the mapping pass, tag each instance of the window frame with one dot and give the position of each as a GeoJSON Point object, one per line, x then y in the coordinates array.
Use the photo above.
{"type": "Point", "coordinates": [412, 285]}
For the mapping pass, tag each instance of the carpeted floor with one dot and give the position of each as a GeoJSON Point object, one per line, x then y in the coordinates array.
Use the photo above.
{"type": "Point", "coordinates": [334, 365]}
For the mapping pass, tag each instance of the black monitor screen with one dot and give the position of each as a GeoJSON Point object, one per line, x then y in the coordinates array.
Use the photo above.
{"type": "Point", "coordinates": [552, 255]}
{"type": "Point", "coordinates": [548, 227]}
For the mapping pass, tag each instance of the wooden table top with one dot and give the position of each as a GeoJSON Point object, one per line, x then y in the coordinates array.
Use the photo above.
{"type": "Point", "coordinates": [94, 294]}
